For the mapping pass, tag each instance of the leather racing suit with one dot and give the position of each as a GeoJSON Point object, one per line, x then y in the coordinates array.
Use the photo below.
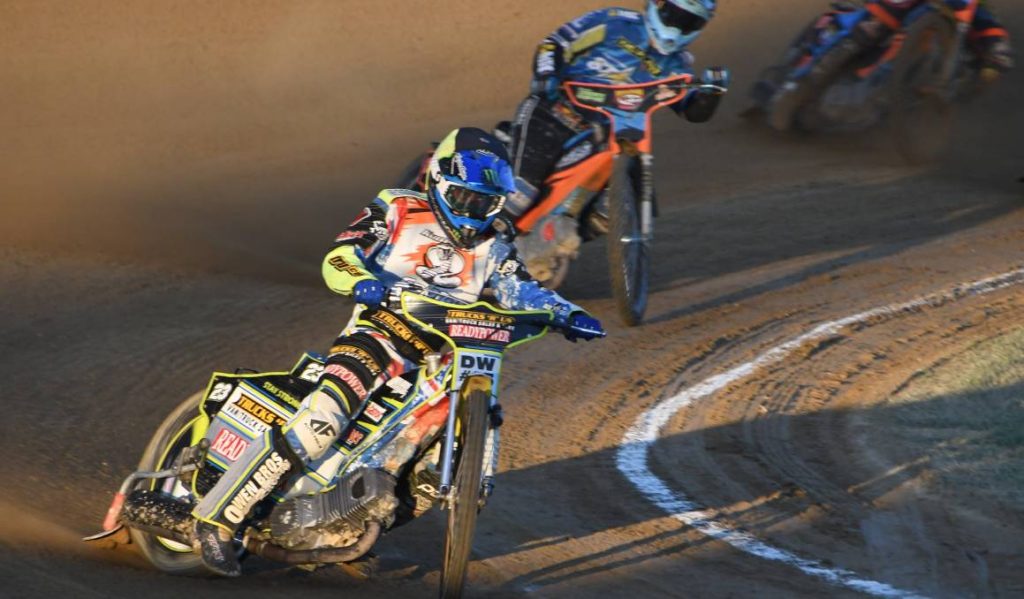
{"type": "Point", "coordinates": [609, 46]}
{"type": "Point", "coordinates": [398, 241]}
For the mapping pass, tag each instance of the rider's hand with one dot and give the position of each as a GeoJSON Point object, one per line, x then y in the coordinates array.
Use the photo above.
{"type": "Point", "coordinates": [370, 292]}
{"type": "Point", "coordinates": [719, 76]}
{"type": "Point", "coordinates": [583, 326]}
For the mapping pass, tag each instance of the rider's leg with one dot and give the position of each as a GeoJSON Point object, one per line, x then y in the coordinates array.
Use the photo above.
{"type": "Point", "coordinates": [356, 365]}
{"type": "Point", "coordinates": [879, 20]}
{"type": "Point", "coordinates": [990, 42]}
{"type": "Point", "coordinates": [539, 132]}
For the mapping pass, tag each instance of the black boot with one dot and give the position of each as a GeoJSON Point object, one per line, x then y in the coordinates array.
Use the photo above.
{"type": "Point", "coordinates": [226, 506]}
{"type": "Point", "coordinates": [216, 549]}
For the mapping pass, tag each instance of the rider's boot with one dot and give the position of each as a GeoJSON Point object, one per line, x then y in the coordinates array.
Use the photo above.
{"type": "Point", "coordinates": [255, 474]}
{"type": "Point", "coordinates": [247, 482]}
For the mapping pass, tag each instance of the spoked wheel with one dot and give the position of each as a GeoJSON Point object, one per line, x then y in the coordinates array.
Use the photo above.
{"type": "Point", "coordinates": [920, 111]}
{"type": "Point", "coordinates": [172, 436]}
{"type": "Point", "coordinates": [628, 252]}
{"type": "Point", "coordinates": [464, 504]}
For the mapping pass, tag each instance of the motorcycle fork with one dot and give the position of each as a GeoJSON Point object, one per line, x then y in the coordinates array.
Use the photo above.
{"type": "Point", "coordinates": [648, 208]}
{"type": "Point", "coordinates": [448, 450]}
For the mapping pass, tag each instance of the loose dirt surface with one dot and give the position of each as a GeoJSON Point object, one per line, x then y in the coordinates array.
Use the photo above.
{"type": "Point", "coordinates": [172, 175]}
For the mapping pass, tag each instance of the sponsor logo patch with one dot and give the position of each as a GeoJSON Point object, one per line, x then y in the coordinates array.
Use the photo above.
{"type": "Point", "coordinates": [348, 377]}
{"type": "Point", "coordinates": [251, 413]}
{"type": "Point", "coordinates": [354, 437]}
{"type": "Point", "coordinates": [629, 99]}
{"type": "Point", "coordinates": [467, 331]}
{"type": "Point", "coordinates": [590, 96]}
{"type": "Point", "coordinates": [342, 265]}
{"type": "Point", "coordinates": [649, 63]}
{"type": "Point", "coordinates": [259, 485]}
{"type": "Point", "coordinates": [322, 428]}
{"type": "Point", "coordinates": [229, 445]}
{"type": "Point", "coordinates": [359, 354]}
{"type": "Point", "coordinates": [394, 326]}
{"type": "Point", "coordinates": [374, 411]}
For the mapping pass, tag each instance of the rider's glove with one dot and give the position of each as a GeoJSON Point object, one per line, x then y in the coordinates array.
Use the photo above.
{"type": "Point", "coordinates": [719, 76]}
{"type": "Point", "coordinates": [370, 292]}
{"type": "Point", "coordinates": [583, 326]}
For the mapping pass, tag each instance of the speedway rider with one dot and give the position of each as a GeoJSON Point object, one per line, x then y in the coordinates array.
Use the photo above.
{"type": "Point", "coordinates": [987, 40]}
{"type": "Point", "coordinates": [442, 243]}
{"type": "Point", "coordinates": [607, 46]}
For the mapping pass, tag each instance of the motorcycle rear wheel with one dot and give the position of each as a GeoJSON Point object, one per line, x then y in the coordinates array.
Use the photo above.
{"type": "Point", "coordinates": [173, 435]}
{"type": "Point", "coordinates": [465, 501]}
{"type": "Point", "coordinates": [920, 114]}
{"type": "Point", "coordinates": [629, 260]}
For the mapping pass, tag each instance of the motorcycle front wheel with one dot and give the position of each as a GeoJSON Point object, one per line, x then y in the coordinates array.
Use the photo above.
{"type": "Point", "coordinates": [172, 436]}
{"type": "Point", "coordinates": [920, 113]}
{"type": "Point", "coordinates": [464, 504]}
{"type": "Point", "coordinates": [628, 254]}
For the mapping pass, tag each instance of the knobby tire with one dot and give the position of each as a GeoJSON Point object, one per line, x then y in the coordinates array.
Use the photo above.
{"type": "Point", "coordinates": [920, 117]}
{"type": "Point", "coordinates": [465, 501]}
{"type": "Point", "coordinates": [175, 429]}
{"type": "Point", "coordinates": [628, 262]}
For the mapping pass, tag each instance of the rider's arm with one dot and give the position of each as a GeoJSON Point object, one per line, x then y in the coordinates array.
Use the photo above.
{"type": "Point", "coordinates": [570, 40]}
{"type": "Point", "coordinates": [515, 289]}
{"type": "Point", "coordinates": [345, 264]}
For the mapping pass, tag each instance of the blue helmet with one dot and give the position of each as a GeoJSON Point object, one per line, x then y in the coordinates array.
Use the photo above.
{"type": "Point", "coordinates": [467, 183]}
{"type": "Point", "coordinates": [672, 24]}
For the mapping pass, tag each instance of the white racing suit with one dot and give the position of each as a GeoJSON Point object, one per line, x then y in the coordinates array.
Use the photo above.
{"type": "Point", "coordinates": [396, 240]}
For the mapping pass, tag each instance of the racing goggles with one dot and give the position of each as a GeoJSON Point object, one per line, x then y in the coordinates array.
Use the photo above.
{"type": "Point", "coordinates": [683, 20]}
{"type": "Point", "coordinates": [472, 204]}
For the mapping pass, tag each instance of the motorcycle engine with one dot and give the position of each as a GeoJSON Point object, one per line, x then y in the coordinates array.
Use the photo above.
{"type": "Point", "coordinates": [336, 518]}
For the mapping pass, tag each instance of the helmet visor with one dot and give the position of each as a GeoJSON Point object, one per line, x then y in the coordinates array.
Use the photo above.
{"type": "Point", "coordinates": [683, 20]}
{"type": "Point", "coordinates": [472, 204]}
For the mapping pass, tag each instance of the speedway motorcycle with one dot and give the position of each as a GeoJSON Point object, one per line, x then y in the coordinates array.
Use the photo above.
{"type": "Point", "coordinates": [433, 430]}
{"type": "Point", "coordinates": [599, 187]}
{"type": "Point", "coordinates": [908, 83]}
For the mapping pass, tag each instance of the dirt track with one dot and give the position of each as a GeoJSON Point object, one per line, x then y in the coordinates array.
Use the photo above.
{"type": "Point", "coordinates": [173, 179]}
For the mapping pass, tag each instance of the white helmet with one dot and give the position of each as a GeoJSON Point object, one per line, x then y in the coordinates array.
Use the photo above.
{"type": "Point", "coordinates": [672, 24]}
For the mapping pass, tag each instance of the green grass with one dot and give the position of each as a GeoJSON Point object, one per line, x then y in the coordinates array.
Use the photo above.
{"type": "Point", "coordinates": [967, 415]}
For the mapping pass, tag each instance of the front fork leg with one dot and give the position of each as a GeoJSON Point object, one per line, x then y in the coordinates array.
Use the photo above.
{"type": "Point", "coordinates": [648, 209]}
{"type": "Point", "coordinates": [448, 449]}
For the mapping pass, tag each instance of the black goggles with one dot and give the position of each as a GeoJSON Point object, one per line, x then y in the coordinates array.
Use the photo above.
{"type": "Point", "coordinates": [472, 204]}
{"type": "Point", "coordinates": [683, 20]}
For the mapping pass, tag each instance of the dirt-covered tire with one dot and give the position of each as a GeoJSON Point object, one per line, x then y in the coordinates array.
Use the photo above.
{"type": "Point", "coordinates": [920, 114]}
{"type": "Point", "coordinates": [173, 434]}
{"type": "Point", "coordinates": [465, 503]}
{"type": "Point", "coordinates": [628, 261]}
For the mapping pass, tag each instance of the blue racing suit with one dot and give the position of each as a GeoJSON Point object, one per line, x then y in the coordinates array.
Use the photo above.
{"type": "Point", "coordinates": [609, 46]}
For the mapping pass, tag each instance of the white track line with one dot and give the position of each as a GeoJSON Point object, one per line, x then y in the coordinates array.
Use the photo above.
{"type": "Point", "coordinates": [631, 457]}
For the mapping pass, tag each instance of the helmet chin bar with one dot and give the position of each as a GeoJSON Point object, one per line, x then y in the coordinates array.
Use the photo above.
{"type": "Point", "coordinates": [466, 234]}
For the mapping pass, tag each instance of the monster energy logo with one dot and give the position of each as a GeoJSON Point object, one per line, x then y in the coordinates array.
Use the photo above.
{"type": "Point", "coordinates": [491, 176]}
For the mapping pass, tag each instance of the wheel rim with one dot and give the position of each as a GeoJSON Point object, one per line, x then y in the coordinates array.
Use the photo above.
{"type": "Point", "coordinates": [173, 486]}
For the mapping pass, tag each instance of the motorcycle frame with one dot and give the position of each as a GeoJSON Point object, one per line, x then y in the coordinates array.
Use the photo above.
{"type": "Point", "coordinates": [630, 133]}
